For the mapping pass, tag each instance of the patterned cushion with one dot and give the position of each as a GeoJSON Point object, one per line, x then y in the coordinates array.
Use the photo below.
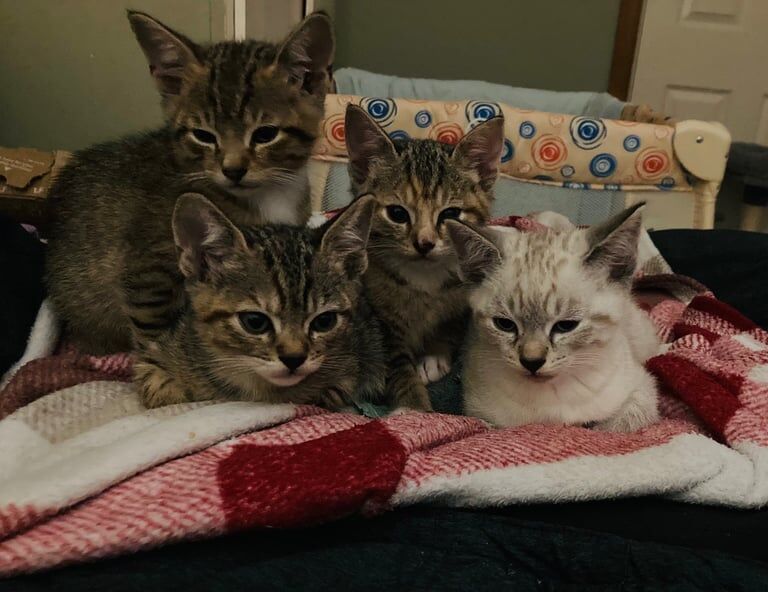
{"type": "Point", "coordinates": [549, 148]}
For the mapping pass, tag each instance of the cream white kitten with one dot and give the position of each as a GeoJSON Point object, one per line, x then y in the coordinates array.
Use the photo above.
{"type": "Point", "coordinates": [556, 336]}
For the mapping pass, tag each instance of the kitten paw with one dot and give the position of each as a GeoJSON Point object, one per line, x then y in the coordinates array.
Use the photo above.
{"type": "Point", "coordinates": [645, 114]}
{"type": "Point", "coordinates": [433, 368]}
{"type": "Point", "coordinates": [156, 387]}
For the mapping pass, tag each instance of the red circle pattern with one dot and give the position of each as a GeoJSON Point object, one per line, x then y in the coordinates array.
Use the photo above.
{"type": "Point", "coordinates": [549, 151]}
{"type": "Point", "coordinates": [447, 132]}
{"type": "Point", "coordinates": [334, 131]}
{"type": "Point", "coordinates": [652, 163]}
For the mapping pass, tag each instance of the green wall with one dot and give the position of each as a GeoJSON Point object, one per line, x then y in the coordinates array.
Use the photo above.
{"type": "Point", "coordinates": [552, 44]}
{"type": "Point", "coordinates": [72, 73]}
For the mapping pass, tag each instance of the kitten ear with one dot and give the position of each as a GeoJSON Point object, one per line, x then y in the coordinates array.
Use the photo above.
{"type": "Point", "coordinates": [346, 237]}
{"type": "Point", "coordinates": [205, 237]}
{"type": "Point", "coordinates": [612, 245]}
{"type": "Point", "coordinates": [307, 53]}
{"type": "Point", "coordinates": [366, 143]}
{"type": "Point", "coordinates": [478, 255]}
{"type": "Point", "coordinates": [170, 54]}
{"type": "Point", "coordinates": [480, 150]}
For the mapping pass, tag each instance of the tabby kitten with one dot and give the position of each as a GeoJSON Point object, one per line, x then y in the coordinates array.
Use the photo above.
{"type": "Point", "coordinates": [275, 313]}
{"type": "Point", "coordinates": [412, 280]}
{"type": "Point", "coordinates": [556, 336]}
{"type": "Point", "coordinates": [241, 118]}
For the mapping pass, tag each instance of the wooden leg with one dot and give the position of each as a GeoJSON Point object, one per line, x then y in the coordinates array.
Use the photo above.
{"type": "Point", "coordinates": [752, 217]}
{"type": "Point", "coordinates": [704, 208]}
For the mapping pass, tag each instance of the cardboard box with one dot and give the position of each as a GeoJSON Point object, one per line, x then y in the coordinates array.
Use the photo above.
{"type": "Point", "coordinates": [25, 180]}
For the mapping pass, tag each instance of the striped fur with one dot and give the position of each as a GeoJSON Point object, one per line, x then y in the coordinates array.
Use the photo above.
{"type": "Point", "coordinates": [112, 270]}
{"type": "Point", "coordinates": [415, 292]}
{"type": "Point", "coordinates": [290, 274]}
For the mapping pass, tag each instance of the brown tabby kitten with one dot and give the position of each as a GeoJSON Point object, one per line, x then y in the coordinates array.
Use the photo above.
{"type": "Point", "coordinates": [412, 280]}
{"type": "Point", "coordinates": [274, 313]}
{"type": "Point", "coordinates": [241, 118]}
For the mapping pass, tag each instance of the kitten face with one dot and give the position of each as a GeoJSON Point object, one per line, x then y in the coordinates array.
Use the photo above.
{"type": "Point", "coordinates": [243, 114]}
{"type": "Point", "coordinates": [419, 184]}
{"type": "Point", "coordinates": [274, 302]}
{"type": "Point", "coordinates": [549, 301]}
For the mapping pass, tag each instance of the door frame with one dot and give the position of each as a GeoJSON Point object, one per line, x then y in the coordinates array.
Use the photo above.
{"type": "Point", "coordinates": [628, 25]}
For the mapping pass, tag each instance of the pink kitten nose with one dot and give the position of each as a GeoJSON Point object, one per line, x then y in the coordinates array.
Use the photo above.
{"type": "Point", "coordinates": [532, 364]}
{"type": "Point", "coordinates": [424, 246]}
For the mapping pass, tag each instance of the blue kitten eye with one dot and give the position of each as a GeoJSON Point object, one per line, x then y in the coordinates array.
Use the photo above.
{"type": "Point", "coordinates": [204, 136]}
{"type": "Point", "coordinates": [264, 134]}
{"type": "Point", "coordinates": [398, 214]}
{"type": "Point", "coordinates": [565, 326]}
{"type": "Point", "coordinates": [505, 324]}
{"type": "Point", "coordinates": [255, 322]}
{"type": "Point", "coordinates": [324, 322]}
{"type": "Point", "coordinates": [449, 214]}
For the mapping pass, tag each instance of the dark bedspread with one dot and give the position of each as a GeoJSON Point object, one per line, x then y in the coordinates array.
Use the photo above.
{"type": "Point", "coordinates": [637, 544]}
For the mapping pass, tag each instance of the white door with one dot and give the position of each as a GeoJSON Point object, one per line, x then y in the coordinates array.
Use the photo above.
{"type": "Point", "coordinates": [706, 59]}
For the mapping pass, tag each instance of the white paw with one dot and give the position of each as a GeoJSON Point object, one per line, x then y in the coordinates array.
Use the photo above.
{"type": "Point", "coordinates": [433, 368]}
{"type": "Point", "coordinates": [553, 220]}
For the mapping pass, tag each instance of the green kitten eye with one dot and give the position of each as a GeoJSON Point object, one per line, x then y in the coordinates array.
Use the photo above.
{"type": "Point", "coordinates": [505, 324]}
{"type": "Point", "coordinates": [204, 136]}
{"type": "Point", "coordinates": [255, 322]}
{"type": "Point", "coordinates": [264, 134]}
{"type": "Point", "coordinates": [398, 214]}
{"type": "Point", "coordinates": [565, 326]}
{"type": "Point", "coordinates": [449, 214]}
{"type": "Point", "coordinates": [324, 322]}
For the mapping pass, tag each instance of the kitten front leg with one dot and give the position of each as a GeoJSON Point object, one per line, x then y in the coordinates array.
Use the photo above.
{"type": "Point", "coordinates": [433, 368]}
{"type": "Point", "coordinates": [405, 388]}
{"type": "Point", "coordinates": [157, 387]}
{"type": "Point", "coordinates": [639, 411]}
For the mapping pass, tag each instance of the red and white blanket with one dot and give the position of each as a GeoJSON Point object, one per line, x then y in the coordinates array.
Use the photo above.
{"type": "Point", "coordinates": [86, 472]}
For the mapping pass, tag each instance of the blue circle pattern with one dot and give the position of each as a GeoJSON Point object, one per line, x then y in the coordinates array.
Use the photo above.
{"type": "Point", "coordinates": [382, 110]}
{"type": "Point", "coordinates": [423, 118]}
{"type": "Point", "coordinates": [603, 165]}
{"type": "Point", "coordinates": [567, 171]}
{"type": "Point", "coordinates": [527, 130]}
{"type": "Point", "coordinates": [478, 111]}
{"type": "Point", "coordinates": [587, 133]}
{"type": "Point", "coordinates": [631, 143]}
{"type": "Point", "coordinates": [399, 135]}
{"type": "Point", "coordinates": [508, 152]}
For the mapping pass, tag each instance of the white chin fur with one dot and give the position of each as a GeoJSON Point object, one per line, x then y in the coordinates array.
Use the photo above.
{"type": "Point", "coordinates": [285, 380]}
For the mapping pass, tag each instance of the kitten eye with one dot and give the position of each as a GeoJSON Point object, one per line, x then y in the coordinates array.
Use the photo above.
{"type": "Point", "coordinates": [565, 326]}
{"type": "Point", "coordinates": [505, 324]}
{"type": "Point", "coordinates": [398, 214]}
{"type": "Point", "coordinates": [255, 322]}
{"type": "Point", "coordinates": [264, 134]}
{"type": "Point", "coordinates": [449, 214]}
{"type": "Point", "coordinates": [324, 322]}
{"type": "Point", "coordinates": [204, 136]}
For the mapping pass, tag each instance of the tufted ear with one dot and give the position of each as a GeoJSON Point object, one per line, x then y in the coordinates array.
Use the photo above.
{"type": "Point", "coordinates": [205, 238]}
{"type": "Point", "coordinates": [612, 245]}
{"type": "Point", "coordinates": [307, 53]}
{"type": "Point", "coordinates": [481, 149]}
{"type": "Point", "coordinates": [345, 238]}
{"type": "Point", "coordinates": [478, 255]}
{"type": "Point", "coordinates": [366, 143]}
{"type": "Point", "coordinates": [171, 56]}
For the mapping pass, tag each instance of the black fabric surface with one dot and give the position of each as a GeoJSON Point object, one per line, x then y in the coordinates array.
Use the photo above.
{"type": "Point", "coordinates": [21, 289]}
{"type": "Point", "coordinates": [638, 544]}
{"type": "Point", "coordinates": [414, 549]}
{"type": "Point", "coordinates": [731, 263]}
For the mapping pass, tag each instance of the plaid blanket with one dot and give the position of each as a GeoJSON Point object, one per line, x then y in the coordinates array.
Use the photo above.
{"type": "Point", "coordinates": [86, 472]}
